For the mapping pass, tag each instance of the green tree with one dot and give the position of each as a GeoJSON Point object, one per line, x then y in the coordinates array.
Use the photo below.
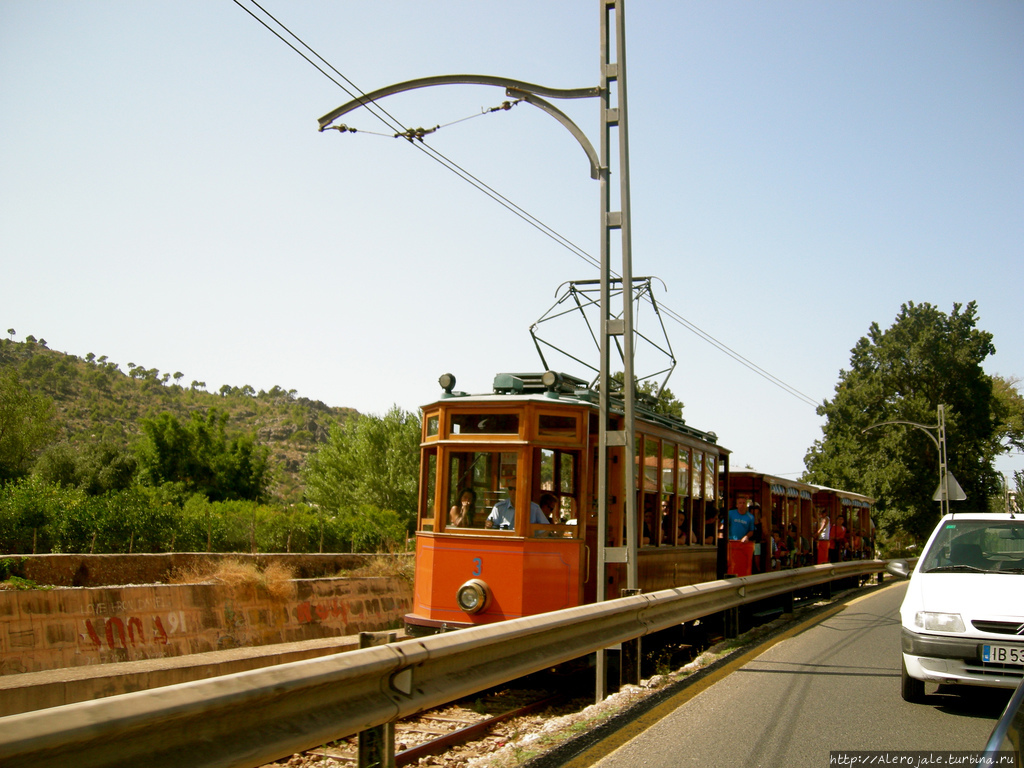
{"type": "Point", "coordinates": [27, 424]}
{"type": "Point", "coordinates": [902, 374]}
{"type": "Point", "coordinates": [369, 463]}
{"type": "Point", "coordinates": [1008, 411]}
{"type": "Point", "coordinates": [650, 396]}
{"type": "Point", "coordinates": [95, 468]}
{"type": "Point", "coordinates": [200, 455]}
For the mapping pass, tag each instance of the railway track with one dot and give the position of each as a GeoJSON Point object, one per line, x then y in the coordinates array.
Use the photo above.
{"type": "Point", "coordinates": [472, 727]}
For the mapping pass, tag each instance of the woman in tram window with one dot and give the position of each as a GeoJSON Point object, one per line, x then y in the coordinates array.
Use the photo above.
{"type": "Point", "coordinates": [461, 515]}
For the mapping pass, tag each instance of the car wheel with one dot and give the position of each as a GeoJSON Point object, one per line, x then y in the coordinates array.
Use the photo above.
{"type": "Point", "coordinates": [912, 688]}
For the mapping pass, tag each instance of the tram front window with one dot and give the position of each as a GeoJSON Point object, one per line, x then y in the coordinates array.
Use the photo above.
{"type": "Point", "coordinates": [486, 491]}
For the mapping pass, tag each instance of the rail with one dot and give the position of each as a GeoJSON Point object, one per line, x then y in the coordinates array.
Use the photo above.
{"type": "Point", "coordinates": [255, 717]}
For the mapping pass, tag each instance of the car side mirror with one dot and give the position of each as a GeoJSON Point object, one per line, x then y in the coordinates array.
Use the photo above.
{"type": "Point", "coordinates": [899, 568]}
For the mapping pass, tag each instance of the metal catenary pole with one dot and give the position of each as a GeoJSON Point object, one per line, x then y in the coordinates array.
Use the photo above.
{"type": "Point", "coordinates": [614, 125]}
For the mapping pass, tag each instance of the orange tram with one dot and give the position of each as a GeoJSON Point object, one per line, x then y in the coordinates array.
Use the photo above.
{"type": "Point", "coordinates": [507, 523]}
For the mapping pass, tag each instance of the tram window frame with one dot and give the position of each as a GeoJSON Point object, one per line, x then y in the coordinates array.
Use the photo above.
{"type": "Point", "coordinates": [553, 426]}
{"type": "Point", "coordinates": [648, 482]}
{"type": "Point", "coordinates": [669, 453]}
{"type": "Point", "coordinates": [683, 483]}
{"type": "Point", "coordinates": [428, 495]}
{"type": "Point", "coordinates": [459, 425]}
{"type": "Point", "coordinates": [489, 480]}
{"type": "Point", "coordinates": [566, 489]}
{"type": "Point", "coordinates": [710, 497]}
{"type": "Point", "coordinates": [432, 425]}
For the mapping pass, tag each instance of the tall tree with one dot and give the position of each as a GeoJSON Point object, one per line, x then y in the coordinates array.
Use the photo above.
{"type": "Point", "coordinates": [27, 424]}
{"type": "Point", "coordinates": [902, 374]}
{"type": "Point", "coordinates": [200, 455]}
{"type": "Point", "coordinates": [369, 462]}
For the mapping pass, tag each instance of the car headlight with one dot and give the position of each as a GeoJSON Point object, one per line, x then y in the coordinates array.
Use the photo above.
{"type": "Point", "coordinates": [473, 596]}
{"type": "Point", "coordinates": [939, 622]}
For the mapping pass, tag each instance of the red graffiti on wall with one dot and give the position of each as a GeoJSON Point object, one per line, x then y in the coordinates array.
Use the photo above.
{"type": "Point", "coordinates": [335, 608]}
{"type": "Point", "coordinates": [118, 634]}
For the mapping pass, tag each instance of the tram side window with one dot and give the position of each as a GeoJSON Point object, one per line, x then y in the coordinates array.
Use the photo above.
{"type": "Point", "coordinates": [648, 455]}
{"type": "Point", "coordinates": [700, 532]}
{"type": "Point", "coordinates": [685, 521]}
{"type": "Point", "coordinates": [428, 484]}
{"type": "Point", "coordinates": [669, 521]}
{"type": "Point", "coordinates": [558, 472]}
{"type": "Point", "coordinates": [710, 507]}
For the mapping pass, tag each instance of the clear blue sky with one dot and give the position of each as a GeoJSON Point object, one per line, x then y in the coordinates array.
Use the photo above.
{"type": "Point", "coordinates": [799, 170]}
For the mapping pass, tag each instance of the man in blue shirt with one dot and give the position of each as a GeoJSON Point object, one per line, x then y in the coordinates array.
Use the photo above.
{"type": "Point", "coordinates": [503, 515]}
{"type": "Point", "coordinates": [741, 521]}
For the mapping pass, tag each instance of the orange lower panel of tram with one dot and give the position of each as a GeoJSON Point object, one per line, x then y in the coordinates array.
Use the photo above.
{"type": "Point", "coordinates": [525, 576]}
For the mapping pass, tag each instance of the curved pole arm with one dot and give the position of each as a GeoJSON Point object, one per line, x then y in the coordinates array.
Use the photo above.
{"type": "Point", "coordinates": [528, 92]}
{"type": "Point", "coordinates": [555, 112]}
{"type": "Point", "coordinates": [926, 429]}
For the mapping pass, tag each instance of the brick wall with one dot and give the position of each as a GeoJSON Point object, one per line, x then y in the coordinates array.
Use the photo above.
{"type": "Point", "coordinates": [43, 629]}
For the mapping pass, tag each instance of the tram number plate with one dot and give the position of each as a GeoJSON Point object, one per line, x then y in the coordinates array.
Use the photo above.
{"type": "Point", "coordinates": [1002, 654]}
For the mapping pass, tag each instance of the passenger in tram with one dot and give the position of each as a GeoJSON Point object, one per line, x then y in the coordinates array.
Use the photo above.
{"type": "Point", "coordinates": [757, 536]}
{"type": "Point", "coordinates": [741, 521]}
{"type": "Point", "coordinates": [503, 515]}
{"type": "Point", "coordinates": [683, 534]}
{"type": "Point", "coordinates": [649, 526]}
{"type": "Point", "coordinates": [461, 515]}
{"type": "Point", "coordinates": [856, 545]}
{"type": "Point", "coordinates": [549, 506]}
{"type": "Point", "coordinates": [839, 536]}
{"type": "Point", "coordinates": [666, 522]}
{"type": "Point", "coordinates": [823, 536]}
{"type": "Point", "coordinates": [780, 554]}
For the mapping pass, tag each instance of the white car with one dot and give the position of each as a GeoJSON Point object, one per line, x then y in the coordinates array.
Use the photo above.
{"type": "Point", "coordinates": [963, 614]}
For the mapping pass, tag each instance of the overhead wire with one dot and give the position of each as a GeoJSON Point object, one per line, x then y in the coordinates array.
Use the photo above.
{"type": "Point", "coordinates": [394, 124]}
{"type": "Point", "coordinates": [415, 136]}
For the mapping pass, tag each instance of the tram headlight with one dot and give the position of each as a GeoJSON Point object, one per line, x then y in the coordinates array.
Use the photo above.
{"type": "Point", "coordinates": [473, 596]}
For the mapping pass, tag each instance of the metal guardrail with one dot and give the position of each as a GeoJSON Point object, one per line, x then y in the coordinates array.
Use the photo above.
{"type": "Point", "coordinates": [254, 717]}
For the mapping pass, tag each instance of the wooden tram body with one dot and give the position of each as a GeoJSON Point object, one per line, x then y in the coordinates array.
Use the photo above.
{"type": "Point", "coordinates": [544, 440]}
{"type": "Point", "coordinates": [785, 502]}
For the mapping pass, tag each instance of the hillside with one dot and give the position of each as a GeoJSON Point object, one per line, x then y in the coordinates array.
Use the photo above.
{"type": "Point", "coordinates": [96, 400]}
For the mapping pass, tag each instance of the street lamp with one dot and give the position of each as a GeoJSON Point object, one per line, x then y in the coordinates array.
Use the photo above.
{"type": "Point", "coordinates": [945, 476]}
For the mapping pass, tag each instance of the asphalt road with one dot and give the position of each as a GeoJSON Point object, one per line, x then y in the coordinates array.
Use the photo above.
{"type": "Point", "coordinates": [832, 683]}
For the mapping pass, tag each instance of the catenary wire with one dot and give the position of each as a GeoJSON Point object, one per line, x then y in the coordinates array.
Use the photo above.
{"type": "Point", "coordinates": [399, 130]}
{"type": "Point", "coordinates": [395, 125]}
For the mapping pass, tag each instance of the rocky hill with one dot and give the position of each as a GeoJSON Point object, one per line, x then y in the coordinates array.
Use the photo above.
{"type": "Point", "coordinates": [96, 400]}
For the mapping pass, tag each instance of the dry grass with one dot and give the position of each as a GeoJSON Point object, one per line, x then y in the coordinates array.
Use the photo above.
{"type": "Point", "coordinates": [385, 566]}
{"type": "Point", "coordinates": [276, 579]}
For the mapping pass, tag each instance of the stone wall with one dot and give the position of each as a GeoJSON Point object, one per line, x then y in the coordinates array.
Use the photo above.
{"type": "Point", "coordinates": [43, 629]}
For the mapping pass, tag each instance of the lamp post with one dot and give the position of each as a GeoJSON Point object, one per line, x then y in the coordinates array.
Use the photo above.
{"type": "Point", "coordinates": [942, 493]}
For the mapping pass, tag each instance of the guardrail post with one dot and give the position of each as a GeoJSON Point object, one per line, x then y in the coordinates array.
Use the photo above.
{"type": "Point", "coordinates": [629, 661]}
{"type": "Point", "coordinates": [377, 745]}
{"type": "Point", "coordinates": [731, 623]}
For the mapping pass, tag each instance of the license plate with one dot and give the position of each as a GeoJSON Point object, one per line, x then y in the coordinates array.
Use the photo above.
{"type": "Point", "coordinates": [1002, 654]}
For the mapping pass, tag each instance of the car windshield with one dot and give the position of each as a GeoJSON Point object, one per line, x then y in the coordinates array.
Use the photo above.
{"type": "Point", "coordinates": [977, 546]}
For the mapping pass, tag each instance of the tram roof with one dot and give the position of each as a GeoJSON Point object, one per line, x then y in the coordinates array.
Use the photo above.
{"type": "Point", "coordinates": [782, 486]}
{"type": "Point", "coordinates": [562, 387]}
